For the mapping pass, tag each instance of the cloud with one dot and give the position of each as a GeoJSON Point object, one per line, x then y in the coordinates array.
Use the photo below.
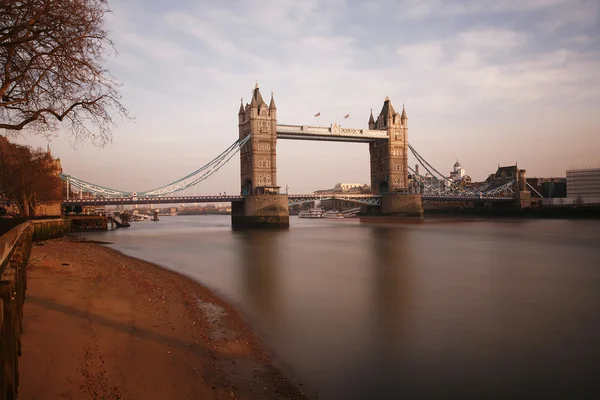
{"type": "Point", "coordinates": [156, 48]}
{"type": "Point", "coordinates": [448, 8]}
{"type": "Point", "coordinates": [492, 39]}
{"type": "Point", "coordinates": [467, 71]}
{"type": "Point", "coordinates": [205, 31]}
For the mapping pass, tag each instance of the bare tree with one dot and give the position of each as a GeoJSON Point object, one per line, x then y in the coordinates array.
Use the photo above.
{"type": "Point", "coordinates": [28, 177]}
{"type": "Point", "coordinates": [51, 54]}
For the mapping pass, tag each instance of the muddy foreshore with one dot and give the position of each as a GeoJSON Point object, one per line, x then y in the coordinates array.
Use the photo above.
{"type": "Point", "coordinates": [101, 325]}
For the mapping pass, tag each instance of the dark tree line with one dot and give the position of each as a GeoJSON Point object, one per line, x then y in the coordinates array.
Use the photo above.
{"type": "Point", "coordinates": [28, 177]}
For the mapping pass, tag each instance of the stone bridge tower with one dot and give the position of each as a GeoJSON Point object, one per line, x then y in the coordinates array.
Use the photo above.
{"type": "Point", "coordinates": [261, 206]}
{"type": "Point", "coordinates": [389, 157]}
{"type": "Point", "coordinates": [258, 158]}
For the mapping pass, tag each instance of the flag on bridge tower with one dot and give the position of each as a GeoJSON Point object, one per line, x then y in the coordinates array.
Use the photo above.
{"type": "Point", "coordinates": [318, 114]}
{"type": "Point", "coordinates": [346, 116]}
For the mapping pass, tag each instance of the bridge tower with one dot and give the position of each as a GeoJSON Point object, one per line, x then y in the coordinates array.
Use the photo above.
{"type": "Point", "coordinates": [389, 164]}
{"type": "Point", "coordinates": [258, 158]}
{"type": "Point", "coordinates": [262, 205]}
{"type": "Point", "coordinates": [389, 157]}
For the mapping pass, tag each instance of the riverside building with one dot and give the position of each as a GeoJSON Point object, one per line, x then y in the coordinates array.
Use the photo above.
{"type": "Point", "coordinates": [583, 185]}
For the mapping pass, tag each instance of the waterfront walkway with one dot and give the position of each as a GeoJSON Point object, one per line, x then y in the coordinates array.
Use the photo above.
{"type": "Point", "coordinates": [100, 325]}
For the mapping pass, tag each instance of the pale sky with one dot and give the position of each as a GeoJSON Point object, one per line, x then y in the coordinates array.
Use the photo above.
{"type": "Point", "coordinates": [486, 82]}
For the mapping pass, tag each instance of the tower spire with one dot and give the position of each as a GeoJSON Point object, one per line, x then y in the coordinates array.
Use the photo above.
{"type": "Point", "coordinates": [257, 99]}
{"type": "Point", "coordinates": [387, 111]}
{"type": "Point", "coordinates": [242, 112]}
{"type": "Point", "coordinates": [272, 103]}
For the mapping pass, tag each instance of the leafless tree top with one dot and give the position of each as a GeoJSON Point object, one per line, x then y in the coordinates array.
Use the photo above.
{"type": "Point", "coordinates": [51, 54]}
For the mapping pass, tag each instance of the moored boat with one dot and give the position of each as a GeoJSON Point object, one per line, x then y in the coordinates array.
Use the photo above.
{"type": "Point", "coordinates": [311, 213]}
{"type": "Point", "coordinates": [333, 215]}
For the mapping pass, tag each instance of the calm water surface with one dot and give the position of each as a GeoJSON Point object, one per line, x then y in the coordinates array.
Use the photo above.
{"type": "Point", "coordinates": [383, 311]}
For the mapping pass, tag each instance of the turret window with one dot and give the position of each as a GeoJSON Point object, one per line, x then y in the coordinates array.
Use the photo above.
{"type": "Point", "coordinates": [264, 179]}
{"type": "Point", "coordinates": [264, 146]}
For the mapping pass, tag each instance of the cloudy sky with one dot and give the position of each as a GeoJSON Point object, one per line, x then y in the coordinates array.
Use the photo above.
{"type": "Point", "coordinates": [486, 82]}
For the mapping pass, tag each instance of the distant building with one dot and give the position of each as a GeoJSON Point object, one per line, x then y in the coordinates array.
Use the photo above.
{"type": "Point", "coordinates": [515, 178]}
{"type": "Point", "coordinates": [457, 173]}
{"type": "Point", "coordinates": [548, 188]}
{"type": "Point", "coordinates": [508, 174]}
{"type": "Point", "coordinates": [583, 185]}
{"type": "Point", "coordinates": [346, 188]}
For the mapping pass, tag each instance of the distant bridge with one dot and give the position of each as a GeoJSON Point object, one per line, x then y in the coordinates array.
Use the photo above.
{"type": "Point", "coordinates": [293, 199]}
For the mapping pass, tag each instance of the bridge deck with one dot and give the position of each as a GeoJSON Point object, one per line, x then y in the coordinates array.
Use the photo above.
{"type": "Point", "coordinates": [367, 199]}
{"type": "Point", "coordinates": [334, 133]}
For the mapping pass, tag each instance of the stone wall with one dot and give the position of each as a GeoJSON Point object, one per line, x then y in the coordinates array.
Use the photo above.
{"type": "Point", "coordinates": [402, 204]}
{"type": "Point", "coordinates": [50, 228]}
{"type": "Point", "coordinates": [15, 247]}
{"type": "Point", "coordinates": [261, 211]}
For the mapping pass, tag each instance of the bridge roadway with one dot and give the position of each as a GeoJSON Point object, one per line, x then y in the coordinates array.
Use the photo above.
{"type": "Point", "coordinates": [366, 199]}
{"type": "Point", "coordinates": [333, 133]}
{"type": "Point", "coordinates": [293, 199]}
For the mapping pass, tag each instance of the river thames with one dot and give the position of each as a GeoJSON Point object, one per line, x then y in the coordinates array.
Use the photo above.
{"type": "Point", "coordinates": [496, 307]}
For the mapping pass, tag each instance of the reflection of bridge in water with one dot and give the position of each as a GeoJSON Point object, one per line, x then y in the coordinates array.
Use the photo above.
{"type": "Point", "coordinates": [395, 186]}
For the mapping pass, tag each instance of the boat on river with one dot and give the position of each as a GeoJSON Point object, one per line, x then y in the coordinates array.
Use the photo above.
{"type": "Point", "coordinates": [311, 213]}
{"type": "Point", "coordinates": [333, 215]}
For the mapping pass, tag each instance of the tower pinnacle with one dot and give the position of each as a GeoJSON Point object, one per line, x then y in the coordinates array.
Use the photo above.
{"type": "Point", "coordinates": [257, 99]}
{"type": "Point", "coordinates": [242, 112]}
{"type": "Point", "coordinates": [272, 103]}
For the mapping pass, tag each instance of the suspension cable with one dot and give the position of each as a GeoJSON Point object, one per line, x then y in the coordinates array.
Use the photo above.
{"type": "Point", "coordinates": [187, 181]}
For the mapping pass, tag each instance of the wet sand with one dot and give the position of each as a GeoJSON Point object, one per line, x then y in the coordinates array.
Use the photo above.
{"type": "Point", "coordinates": [101, 325]}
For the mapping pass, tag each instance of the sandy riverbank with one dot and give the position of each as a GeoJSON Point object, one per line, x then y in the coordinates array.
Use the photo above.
{"type": "Point", "coordinates": [101, 325]}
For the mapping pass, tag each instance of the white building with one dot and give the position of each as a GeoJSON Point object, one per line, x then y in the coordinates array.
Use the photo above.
{"type": "Point", "coordinates": [344, 187]}
{"type": "Point", "coordinates": [583, 185]}
{"type": "Point", "coordinates": [458, 173]}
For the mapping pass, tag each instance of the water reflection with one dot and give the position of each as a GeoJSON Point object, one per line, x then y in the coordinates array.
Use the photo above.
{"type": "Point", "coordinates": [359, 312]}
{"type": "Point", "coordinates": [391, 293]}
{"type": "Point", "coordinates": [260, 281]}
{"type": "Point", "coordinates": [391, 254]}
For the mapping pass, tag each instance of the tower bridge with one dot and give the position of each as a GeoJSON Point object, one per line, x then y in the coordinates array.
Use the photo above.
{"type": "Point", "coordinates": [396, 189]}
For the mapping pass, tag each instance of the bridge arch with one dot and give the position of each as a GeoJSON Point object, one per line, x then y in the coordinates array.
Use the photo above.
{"type": "Point", "coordinates": [247, 187]}
{"type": "Point", "coordinates": [384, 187]}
